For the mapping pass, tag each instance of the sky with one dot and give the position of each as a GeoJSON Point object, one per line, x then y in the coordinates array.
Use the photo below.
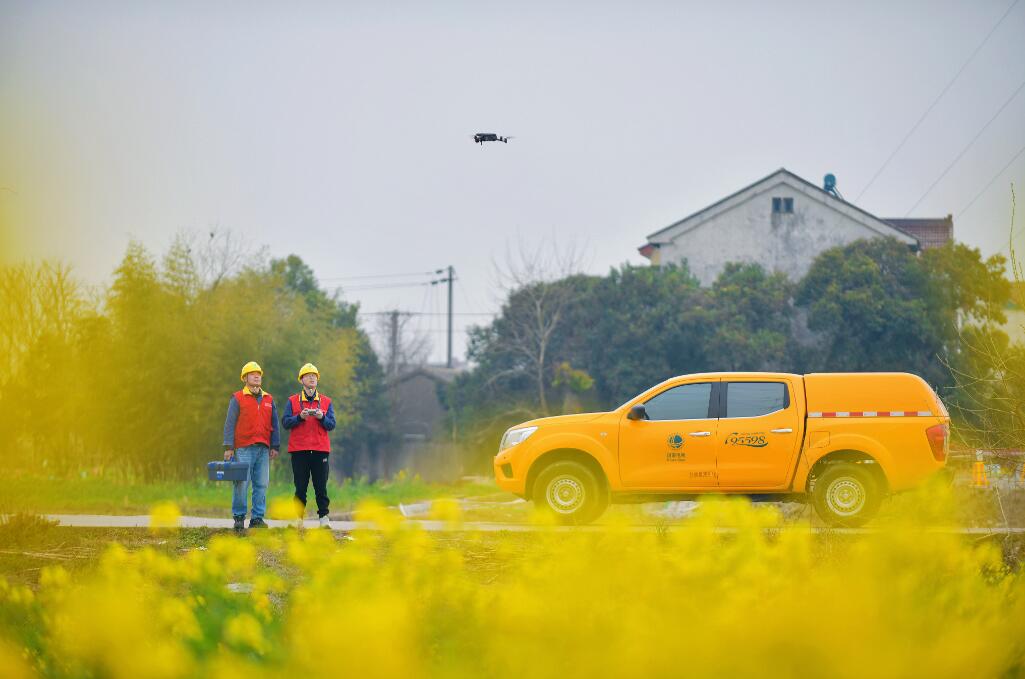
{"type": "Point", "coordinates": [340, 131]}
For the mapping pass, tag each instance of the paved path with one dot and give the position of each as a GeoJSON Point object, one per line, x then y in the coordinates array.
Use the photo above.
{"type": "Point", "coordinates": [111, 521]}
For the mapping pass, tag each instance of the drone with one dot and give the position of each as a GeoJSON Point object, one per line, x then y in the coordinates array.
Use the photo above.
{"type": "Point", "coordinates": [482, 137]}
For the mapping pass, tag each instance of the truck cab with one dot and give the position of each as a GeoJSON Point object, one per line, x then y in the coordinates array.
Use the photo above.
{"type": "Point", "coordinates": [840, 440]}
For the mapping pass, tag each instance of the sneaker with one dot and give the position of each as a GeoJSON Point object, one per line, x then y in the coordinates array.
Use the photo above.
{"type": "Point", "coordinates": [325, 522]}
{"type": "Point", "coordinates": [240, 524]}
{"type": "Point", "coordinates": [257, 523]}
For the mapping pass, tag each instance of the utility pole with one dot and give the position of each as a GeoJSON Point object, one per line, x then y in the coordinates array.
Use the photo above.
{"type": "Point", "coordinates": [393, 343]}
{"type": "Point", "coordinates": [448, 279]}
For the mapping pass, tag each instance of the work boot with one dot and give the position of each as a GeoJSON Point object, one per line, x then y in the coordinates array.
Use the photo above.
{"type": "Point", "coordinates": [257, 523]}
{"type": "Point", "coordinates": [325, 522]}
{"type": "Point", "coordinates": [240, 524]}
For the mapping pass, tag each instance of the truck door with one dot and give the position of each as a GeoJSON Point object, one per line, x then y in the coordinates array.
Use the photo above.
{"type": "Point", "coordinates": [759, 431]}
{"type": "Point", "coordinates": [675, 447]}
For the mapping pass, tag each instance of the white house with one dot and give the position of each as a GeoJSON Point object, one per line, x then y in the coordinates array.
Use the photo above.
{"type": "Point", "coordinates": [781, 222]}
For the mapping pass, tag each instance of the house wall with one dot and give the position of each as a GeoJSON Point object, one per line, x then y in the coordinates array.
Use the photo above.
{"type": "Point", "coordinates": [750, 232]}
{"type": "Point", "coordinates": [425, 444]}
{"type": "Point", "coordinates": [1015, 326]}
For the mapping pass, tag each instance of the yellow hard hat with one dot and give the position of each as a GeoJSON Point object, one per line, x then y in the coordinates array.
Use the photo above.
{"type": "Point", "coordinates": [307, 369]}
{"type": "Point", "coordinates": [251, 367]}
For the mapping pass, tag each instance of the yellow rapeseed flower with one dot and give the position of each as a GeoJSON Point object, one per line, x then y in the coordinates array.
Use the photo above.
{"type": "Point", "coordinates": [164, 515]}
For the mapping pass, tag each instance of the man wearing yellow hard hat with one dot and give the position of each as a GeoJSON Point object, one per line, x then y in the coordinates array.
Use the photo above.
{"type": "Point", "coordinates": [251, 435]}
{"type": "Point", "coordinates": [309, 416]}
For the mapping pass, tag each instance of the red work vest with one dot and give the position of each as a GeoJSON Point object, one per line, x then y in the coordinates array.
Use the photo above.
{"type": "Point", "coordinates": [309, 434]}
{"type": "Point", "coordinates": [255, 419]}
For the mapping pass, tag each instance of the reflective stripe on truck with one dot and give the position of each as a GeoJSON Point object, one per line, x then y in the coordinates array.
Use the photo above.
{"type": "Point", "coordinates": [874, 413]}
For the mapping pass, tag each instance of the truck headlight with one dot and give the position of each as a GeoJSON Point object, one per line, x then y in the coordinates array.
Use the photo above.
{"type": "Point", "coordinates": [514, 436]}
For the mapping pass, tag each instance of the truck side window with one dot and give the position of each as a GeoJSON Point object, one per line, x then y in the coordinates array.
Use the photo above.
{"type": "Point", "coordinates": [685, 402]}
{"type": "Point", "coordinates": [752, 399]}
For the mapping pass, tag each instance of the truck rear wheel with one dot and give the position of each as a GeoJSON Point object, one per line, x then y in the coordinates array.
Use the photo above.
{"type": "Point", "coordinates": [846, 494]}
{"type": "Point", "coordinates": [570, 492]}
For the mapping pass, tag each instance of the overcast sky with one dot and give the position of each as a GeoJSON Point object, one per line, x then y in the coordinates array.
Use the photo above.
{"type": "Point", "coordinates": [341, 131]}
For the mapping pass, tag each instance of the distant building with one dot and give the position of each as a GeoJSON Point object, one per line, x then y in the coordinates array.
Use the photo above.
{"type": "Point", "coordinates": [931, 233]}
{"type": "Point", "coordinates": [425, 442]}
{"type": "Point", "coordinates": [1015, 325]}
{"type": "Point", "coordinates": [781, 222]}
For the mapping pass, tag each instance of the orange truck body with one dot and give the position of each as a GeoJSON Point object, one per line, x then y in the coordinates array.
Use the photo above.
{"type": "Point", "coordinates": [881, 419]}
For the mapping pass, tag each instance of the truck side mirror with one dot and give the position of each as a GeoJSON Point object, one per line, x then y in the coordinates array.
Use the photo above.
{"type": "Point", "coordinates": [638, 412]}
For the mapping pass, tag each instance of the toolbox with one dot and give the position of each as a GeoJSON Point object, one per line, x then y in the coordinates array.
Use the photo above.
{"type": "Point", "coordinates": [227, 471]}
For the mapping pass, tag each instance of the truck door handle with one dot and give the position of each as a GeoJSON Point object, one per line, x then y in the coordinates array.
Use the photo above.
{"type": "Point", "coordinates": [701, 433]}
{"type": "Point", "coordinates": [788, 430]}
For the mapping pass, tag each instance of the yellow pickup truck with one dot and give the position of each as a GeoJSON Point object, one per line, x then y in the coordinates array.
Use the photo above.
{"type": "Point", "coordinates": [840, 440]}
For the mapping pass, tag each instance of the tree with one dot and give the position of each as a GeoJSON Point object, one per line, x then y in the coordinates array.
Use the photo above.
{"type": "Point", "coordinates": [878, 306]}
{"type": "Point", "coordinates": [750, 320]}
{"type": "Point", "coordinates": [361, 405]}
{"type": "Point", "coordinates": [145, 374]}
{"type": "Point", "coordinates": [988, 393]}
{"type": "Point", "coordinates": [636, 327]}
{"type": "Point", "coordinates": [616, 335]}
{"type": "Point", "coordinates": [538, 297]}
{"type": "Point", "coordinates": [398, 342]}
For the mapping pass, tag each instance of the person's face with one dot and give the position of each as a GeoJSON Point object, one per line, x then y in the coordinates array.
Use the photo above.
{"type": "Point", "coordinates": [254, 380]}
{"type": "Point", "coordinates": [310, 381]}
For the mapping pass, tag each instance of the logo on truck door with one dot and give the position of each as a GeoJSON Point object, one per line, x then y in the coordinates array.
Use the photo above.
{"type": "Point", "coordinates": [753, 440]}
{"type": "Point", "coordinates": [674, 454]}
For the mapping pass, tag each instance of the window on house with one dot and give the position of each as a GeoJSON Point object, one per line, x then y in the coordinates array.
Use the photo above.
{"type": "Point", "coordinates": [788, 205]}
{"type": "Point", "coordinates": [782, 205]}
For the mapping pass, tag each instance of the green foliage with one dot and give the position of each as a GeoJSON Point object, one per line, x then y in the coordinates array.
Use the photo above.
{"type": "Point", "coordinates": [750, 320]}
{"type": "Point", "coordinates": [577, 381]}
{"type": "Point", "coordinates": [141, 378]}
{"type": "Point", "coordinates": [871, 305]}
{"type": "Point", "coordinates": [877, 306]}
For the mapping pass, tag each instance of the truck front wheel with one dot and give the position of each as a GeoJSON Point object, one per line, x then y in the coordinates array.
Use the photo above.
{"type": "Point", "coordinates": [846, 494]}
{"type": "Point", "coordinates": [570, 492]}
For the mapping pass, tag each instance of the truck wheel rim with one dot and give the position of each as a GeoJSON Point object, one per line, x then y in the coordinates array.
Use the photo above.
{"type": "Point", "coordinates": [565, 494]}
{"type": "Point", "coordinates": [845, 496]}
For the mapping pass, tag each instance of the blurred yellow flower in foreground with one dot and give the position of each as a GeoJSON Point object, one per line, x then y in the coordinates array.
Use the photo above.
{"type": "Point", "coordinates": [735, 592]}
{"type": "Point", "coordinates": [164, 515]}
{"type": "Point", "coordinates": [285, 508]}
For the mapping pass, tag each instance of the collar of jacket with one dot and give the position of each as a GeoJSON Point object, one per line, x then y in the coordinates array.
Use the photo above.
{"type": "Point", "coordinates": [302, 396]}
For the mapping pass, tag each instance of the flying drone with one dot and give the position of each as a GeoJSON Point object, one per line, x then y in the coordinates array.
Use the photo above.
{"type": "Point", "coordinates": [482, 137]}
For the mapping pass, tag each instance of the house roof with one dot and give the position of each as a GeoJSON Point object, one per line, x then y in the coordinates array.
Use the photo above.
{"type": "Point", "coordinates": [868, 219]}
{"type": "Point", "coordinates": [932, 232]}
{"type": "Point", "coordinates": [438, 373]}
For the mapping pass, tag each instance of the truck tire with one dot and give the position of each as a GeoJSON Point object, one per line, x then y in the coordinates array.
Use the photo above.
{"type": "Point", "coordinates": [570, 492]}
{"type": "Point", "coordinates": [846, 495]}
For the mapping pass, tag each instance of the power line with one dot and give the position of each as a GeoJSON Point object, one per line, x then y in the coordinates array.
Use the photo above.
{"type": "Point", "coordinates": [377, 275]}
{"type": "Point", "coordinates": [936, 101]}
{"type": "Point", "coordinates": [965, 149]}
{"type": "Point", "coordinates": [429, 313]}
{"type": "Point", "coordinates": [376, 286]}
{"type": "Point", "coordinates": [991, 182]}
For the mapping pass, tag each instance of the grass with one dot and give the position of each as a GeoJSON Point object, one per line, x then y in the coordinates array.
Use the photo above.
{"type": "Point", "coordinates": [100, 495]}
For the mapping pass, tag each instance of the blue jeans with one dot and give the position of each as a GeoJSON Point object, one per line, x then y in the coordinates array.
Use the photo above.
{"type": "Point", "coordinates": [258, 458]}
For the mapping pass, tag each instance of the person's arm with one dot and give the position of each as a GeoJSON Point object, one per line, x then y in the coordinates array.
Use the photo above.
{"type": "Point", "coordinates": [290, 420]}
{"type": "Point", "coordinates": [329, 417]}
{"type": "Point", "coordinates": [275, 431]}
{"type": "Point", "coordinates": [230, 420]}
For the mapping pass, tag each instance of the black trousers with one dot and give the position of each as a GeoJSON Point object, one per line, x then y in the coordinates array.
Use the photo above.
{"type": "Point", "coordinates": [306, 464]}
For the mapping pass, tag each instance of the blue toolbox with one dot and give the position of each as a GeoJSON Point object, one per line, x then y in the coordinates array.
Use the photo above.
{"type": "Point", "coordinates": [227, 471]}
